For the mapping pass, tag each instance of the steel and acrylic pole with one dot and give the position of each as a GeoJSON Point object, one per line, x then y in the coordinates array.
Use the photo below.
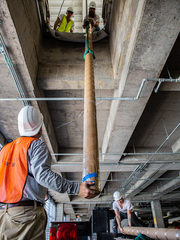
{"type": "Point", "coordinates": [90, 138]}
{"type": "Point", "coordinates": [154, 233]}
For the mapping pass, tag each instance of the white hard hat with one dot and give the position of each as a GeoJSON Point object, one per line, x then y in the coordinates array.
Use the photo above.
{"type": "Point", "coordinates": [70, 9]}
{"type": "Point", "coordinates": [92, 4]}
{"type": "Point", "coordinates": [30, 121]}
{"type": "Point", "coordinates": [117, 195]}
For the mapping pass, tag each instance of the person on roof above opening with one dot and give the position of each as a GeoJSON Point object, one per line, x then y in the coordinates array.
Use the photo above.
{"type": "Point", "coordinates": [25, 176]}
{"type": "Point", "coordinates": [64, 23]}
{"type": "Point", "coordinates": [92, 17]}
{"type": "Point", "coordinates": [123, 210]}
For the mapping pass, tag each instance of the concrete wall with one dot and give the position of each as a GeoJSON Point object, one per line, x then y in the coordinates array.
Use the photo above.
{"type": "Point", "coordinates": [124, 18]}
{"type": "Point", "coordinates": [25, 18]}
{"type": "Point", "coordinates": [62, 65]}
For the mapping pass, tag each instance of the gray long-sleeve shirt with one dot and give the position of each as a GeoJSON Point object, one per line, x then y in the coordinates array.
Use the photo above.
{"type": "Point", "coordinates": [39, 165]}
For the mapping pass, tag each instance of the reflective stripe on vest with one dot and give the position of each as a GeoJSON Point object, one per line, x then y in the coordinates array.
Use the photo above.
{"type": "Point", "coordinates": [65, 27]}
{"type": "Point", "coordinates": [14, 169]}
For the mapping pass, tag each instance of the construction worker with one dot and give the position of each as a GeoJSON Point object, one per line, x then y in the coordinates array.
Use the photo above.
{"type": "Point", "coordinates": [64, 23]}
{"type": "Point", "coordinates": [25, 176]}
{"type": "Point", "coordinates": [123, 210]}
{"type": "Point", "coordinates": [78, 219]}
{"type": "Point", "coordinates": [92, 17]}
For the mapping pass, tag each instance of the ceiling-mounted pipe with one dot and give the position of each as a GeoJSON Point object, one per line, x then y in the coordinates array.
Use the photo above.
{"type": "Point", "coordinates": [123, 179]}
{"type": "Point", "coordinates": [98, 98]}
{"type": "Point", "coordinates": [109, 164]}
{"type": "Point", "coordinates": [4, 52]}
{"type": "Point", "coordinates": [157, 88]}
{"type": "Point", "coordinates": [159, 80]}
{"type": "Point", "coordinates": [154, 233]}
{"type": "Point", "coordinates": [142, 167]}
{"type": "Point", "coordinates": [115, 154]}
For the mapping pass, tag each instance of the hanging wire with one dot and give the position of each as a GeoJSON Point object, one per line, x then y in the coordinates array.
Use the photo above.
{"type": "Point", "coordinates": [86, 8]}
{"type": "Point", "coordinates": [168, 71]}
{"type": "Point", "coordinates": [61, 8]}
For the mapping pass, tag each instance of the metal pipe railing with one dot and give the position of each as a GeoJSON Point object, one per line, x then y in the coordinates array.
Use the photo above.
{"type": "Point", "coordinates": [97, 98]}
{"type": "Point", "coordinates": [154, 233]}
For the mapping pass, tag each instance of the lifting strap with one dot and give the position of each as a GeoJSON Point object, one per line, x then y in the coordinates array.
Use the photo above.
{"type": "Point", "coordinates": [87, 44]}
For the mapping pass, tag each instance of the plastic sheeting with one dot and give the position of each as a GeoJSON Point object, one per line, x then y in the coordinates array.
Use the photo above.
{"type": "Point", "coordinates": [76, 37]}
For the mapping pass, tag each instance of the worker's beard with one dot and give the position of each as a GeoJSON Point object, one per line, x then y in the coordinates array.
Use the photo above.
{"type": "Point", "coordinates": [91, 14]}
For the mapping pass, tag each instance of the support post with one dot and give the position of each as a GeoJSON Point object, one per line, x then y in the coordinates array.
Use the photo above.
{"type": "Point", "coordinates": [59, 212]}
{"type": "Point", "coordinates": [157, 214]}
{"type": "Point", "coordinates": [90, 139]}
{"type": "Point", "coordinates": [68, 218]}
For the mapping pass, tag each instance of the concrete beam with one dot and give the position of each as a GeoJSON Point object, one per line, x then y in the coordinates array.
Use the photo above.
{"type": "Point", "coordinates": [168, 187]}
{"type": "Point", "coordinates": [170, 87]}
{"type": "Point", "coordinates": [176, 146]}
{"type": "Point", "coordinates": [141, 31]}
{"type": "Point", "coordinates": [77, 167]}
{"type": "Point", "coordinates": [142, 184]}
{"type": "Point", "coordinates": [61, 70]}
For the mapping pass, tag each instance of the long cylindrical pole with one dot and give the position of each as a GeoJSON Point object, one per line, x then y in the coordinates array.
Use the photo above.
{"type": "Point", "coordinates": [90, 139]}
{"type": "Point", "coordinates": [154, 233]}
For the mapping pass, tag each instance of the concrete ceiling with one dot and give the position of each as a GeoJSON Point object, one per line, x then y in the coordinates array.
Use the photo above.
{"type": "Point", "coordinates": [138, 139]}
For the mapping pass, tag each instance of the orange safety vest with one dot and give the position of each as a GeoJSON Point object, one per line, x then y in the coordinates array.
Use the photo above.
{"type": "Point", "coordinates": [14, 169]}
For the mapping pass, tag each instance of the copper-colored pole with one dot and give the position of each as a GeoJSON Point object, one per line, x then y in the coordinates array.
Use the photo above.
{"type": "Point", "coordinates": [90, 141]}
{"type": "Point", "coordinates": [154, 233]}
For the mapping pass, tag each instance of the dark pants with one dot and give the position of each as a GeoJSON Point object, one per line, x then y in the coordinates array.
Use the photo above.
{"type": "Point", "coordinates": [135, 221]}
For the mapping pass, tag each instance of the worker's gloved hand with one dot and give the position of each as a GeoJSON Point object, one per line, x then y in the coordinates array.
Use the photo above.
{"type": "Point", "coordinates": [86, 23]}
{"type": "Point", "coordinates": [92, 22]}
{"type": "Point", "coordinates": [85, 191]}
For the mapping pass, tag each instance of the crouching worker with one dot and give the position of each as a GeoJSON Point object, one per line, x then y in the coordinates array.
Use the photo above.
{"type": "Point", "coordinates": [25, 176]}
{"type": "Point", "coordinates": [92, 17]}
{"type": "Point", "coordinates": [64, 23]}
{"type": "Point", "coordinates": [123, 210]}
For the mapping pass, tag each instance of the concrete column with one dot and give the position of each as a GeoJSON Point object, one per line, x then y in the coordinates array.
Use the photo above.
{"type": "Point", "coordinates": [68, 218]}
{"type": "Point", "coordinates": [2, 140]}
{"type": "Point", "coordinates": [60, 212]}
{"type": "Point", "coordinates": [157, 214]}
{"type": "Point", "coordinates": [84, 12]}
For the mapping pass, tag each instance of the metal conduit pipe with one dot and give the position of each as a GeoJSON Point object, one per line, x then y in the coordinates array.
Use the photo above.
{"type": "Point", "coordinates": [108, 164]}
{"type": "Point", "coordinates": [98, 98]}
{"type": "Point", "coordinates": [4, 52]}
{"type": "Point", "coordinates": [114, 154]}
{"type": "Point", "coordinates": [143, 166]}
{"type": "Point", "coordinates": [123, 179]}
{"type": "Point", "coordinates": [154, 233]}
